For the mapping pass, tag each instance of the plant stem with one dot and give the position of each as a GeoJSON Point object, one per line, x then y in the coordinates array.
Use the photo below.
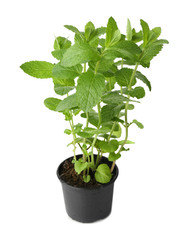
{"type": "Point", "coordinates": [126, 115]}
{"type": "Point", "coordinates": [74, 136]}
{"type": "Point", "coordinates": [96, 135]}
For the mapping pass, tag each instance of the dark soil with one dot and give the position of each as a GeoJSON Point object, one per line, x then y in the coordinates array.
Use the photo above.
{"type": "Point", "coordinates": [70, 176]}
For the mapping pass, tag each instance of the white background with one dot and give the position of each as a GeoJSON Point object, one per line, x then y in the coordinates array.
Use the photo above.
{"type": "Point", "coordinates": [149, 193]}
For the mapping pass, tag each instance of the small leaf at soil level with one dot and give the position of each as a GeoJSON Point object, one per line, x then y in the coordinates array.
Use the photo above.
{"type": "Point", "coordinates": [103, 173]}
{"type": "Point", "coordinates": [86, 178]}
{"type": "Point", "coordinates": [80, 166]}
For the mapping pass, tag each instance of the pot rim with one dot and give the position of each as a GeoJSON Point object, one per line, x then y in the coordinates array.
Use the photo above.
{"type": "Point", "coordinates": [113, 179]}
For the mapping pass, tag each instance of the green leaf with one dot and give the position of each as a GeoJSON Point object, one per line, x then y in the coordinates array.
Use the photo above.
{"type": "Point", "coordinates": [129, 31]}
{"type": "Point", "coordinates": [113, 35]}
{"type": "Point", "coordinates": [66, 72]}
{"type": "Point", "coordinates": [118, 132]}
{"type": "Point", "coordinates": [68, 131]}
{"type": "Point", "coordinates": [95, 34]}
{"type": "Point", "coordinates": [144, 79]}
{"type": "Point", "coordinates": [79, 53]}
{"type": "Point", "coordinates": [96, 131]}
{"type": "Point", "coordinates": [89, 29]}
{"type": "Point", "coordinates": [149, 53]}
{"type": "Point", "coordinates": [103, 173]}
{"type": "Point", "coordinates": [63, 82]}
{"type": "Point", "coordinates": [52, 103]}
{"type": "Point", "coordinates": [111, 146]}
{"type": "Point", "coordinates": [139, 124]}
{"type": "Point", "coordinates": [62, 90]}
{"type": "Point", "coordinates": [145, 30]}
{"type": "Point", "coordinates": [127, 142]}
{"type": "Point", "coordinates": [61, 43]}
{"type": "Point", "coordinates": [38, 69]}
{"type": "Point", "coordinates": [113, 98]}
{"type": "Point", "coordinates": [79, 166]}
{"type": "Point", "coordinates": [154, 34]}
{"type": "Point", "coordinates": [113, 156]}
{"type": "Point", "coordinates": [137, 92]}
{"type": "Point", "coordinates": [92, 117]}
{"type": "Point", "coordinates": [123, 77]}
{"type": "Point", "coordinates": [75, 30]}
{"type": "Point", "coordinates": [108, 112]}
{"type": "Point", "coordinates": [124, 49]}
{"type": "Point", "coordinates": [58, 54]}
{"type": "Point", "coordinates": [136, 36]}
{"type": "Point", "coordinates": [89, 90]}
{"type": "Point", "coordinates": [67, 103]}
{"type": "Point", "coordinates": [86, 178]}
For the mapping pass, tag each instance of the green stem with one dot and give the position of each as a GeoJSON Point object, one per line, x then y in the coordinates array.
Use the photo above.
{"type": "Point", "coordinates": [126, 114]}
{"type": "Point", "coordinates": [74, 136]}
{"type": "Point", "coordinates": [96, 135]}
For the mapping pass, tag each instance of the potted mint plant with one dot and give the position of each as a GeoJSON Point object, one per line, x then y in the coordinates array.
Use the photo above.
{"type": "Point", "coordinates": [98, 81]}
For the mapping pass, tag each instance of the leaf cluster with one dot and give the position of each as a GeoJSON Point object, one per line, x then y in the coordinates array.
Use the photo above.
{"type": "Point", "coordinates": [96, 77]}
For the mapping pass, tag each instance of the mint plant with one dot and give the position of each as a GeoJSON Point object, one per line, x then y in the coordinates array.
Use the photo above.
{"type": "Point", "coordinates": [97, 77]}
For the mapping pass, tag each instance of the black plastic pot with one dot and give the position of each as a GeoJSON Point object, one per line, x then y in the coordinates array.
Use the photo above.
{"type": "Point", "coordinates": [85, 204]}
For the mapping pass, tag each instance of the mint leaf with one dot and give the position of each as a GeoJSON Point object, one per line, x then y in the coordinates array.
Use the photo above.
{"type": "Point", "coordinates": [75, 30]}
{"type": "Point", "coordinates": [124, 49]}
{"type": "Point", "coordinates": [58, 54]}
{"type": "Point", "coordinates": [89, 90]}
{"type": "Point", "coordinates": [79, 166]}
{"type": "Point", "coordinates": [92, 118]}
{"type": "Point", "coordinates": [139, 124]}
{"type": "Point", "coordinates": [123, 77]}
{"type": "Point", "coordinates": [61, 43]}
{"type": "Point", "coordinates": [103, 173]}
{"type": "Point", "coordinates": [79, 53]}
{"type": "Point", "coordinates": [129, 31]}
{"type": "Point", "coordinates": [52, 103]}
{"type": "Point", "coordinates": [86, 178]}
{"type": "Point", "coordinates": [144, 79]}
{"type": "Point", "coordinates": [127, 142]}
{"type": "Point", "coordinates": [136, 36]}
{"type": "Point", "coordinates": [137, 92]}
{"type": "Point", "coordinates": [151, 51]}
{"type": "Point", "coordinates": [63, 82]}
{"type": "Point", "coordinates": [38, 69]}
{"type": "Point", "coordinates": [154, 34]}
{"type": "Point", "coordinates": [108, 112]}
{"type": "Point", "coordinates": [117, 132]}
{"type": "Point", "coordinates": [113, 35]}
{"type": "Point", "coordinates": [114, 156]}
{"type": "Point", "coordinates": [67, 103]}
{"type": "Point", "coordinates": [62, 90]}
{"type": "Point", "coordinates": [113, 98]}
{"type": "Point", "coordinates": [95, 34]}
{"type": "Point", "coordinates": [89, 29]}
{"type": "Point", "coordinates": [145, 30]}
{"type": "Point", "coordinates": [68, 131]}
{"type": "Point", "coordinates": [111, 146]}
{"type": "Point", "coordinates": [62, 72]}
